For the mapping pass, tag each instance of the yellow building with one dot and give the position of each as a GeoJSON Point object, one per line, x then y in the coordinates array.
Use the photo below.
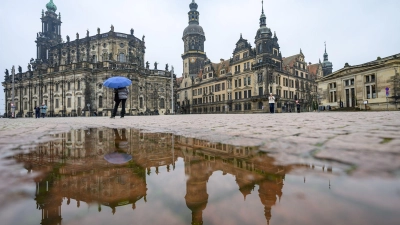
{"type": "Point", "coordinates": [363, 86]}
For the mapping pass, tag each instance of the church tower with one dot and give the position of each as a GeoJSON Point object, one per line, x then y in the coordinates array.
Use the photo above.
{"type": "Point", "coordinates": [193, 38]}
{"type": "Point", "coordinates": [326, 65]}
{"type": "Point", "coordinates": [51, 32]}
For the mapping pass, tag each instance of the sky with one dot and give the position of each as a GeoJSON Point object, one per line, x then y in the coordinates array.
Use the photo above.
{"type": "Point", "coordinates": [355, 31]}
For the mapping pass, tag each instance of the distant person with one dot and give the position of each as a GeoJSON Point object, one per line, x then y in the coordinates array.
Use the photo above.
{"type": "Point", "coordinates": [37, 112]}
{"type": "Point", "coordinates": [271, 100]}
{"type": "Point", "coordinates": [298, 106]}
{"type": "Point", "coordinates": [43, 109]}
{"type": "Point", "coordinates": [120, 95]}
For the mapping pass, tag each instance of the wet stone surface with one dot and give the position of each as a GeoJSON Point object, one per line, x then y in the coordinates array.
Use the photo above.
{"type": "Point", "coordinates": [308, 168]}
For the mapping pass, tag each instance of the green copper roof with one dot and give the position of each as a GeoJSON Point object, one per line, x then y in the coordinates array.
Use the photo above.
{"type": "Point", "coordinates": [51, 7]}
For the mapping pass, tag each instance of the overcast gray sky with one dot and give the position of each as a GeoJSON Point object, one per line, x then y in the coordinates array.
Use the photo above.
{"type": "Point", "coordinates": [356, 31]}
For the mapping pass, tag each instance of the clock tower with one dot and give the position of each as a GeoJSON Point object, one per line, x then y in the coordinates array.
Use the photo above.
{"type": "Point", "coordinates": [193, 38]}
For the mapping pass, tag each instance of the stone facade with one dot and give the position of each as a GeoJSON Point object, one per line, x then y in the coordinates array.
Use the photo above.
{"type": "Point", "coordinates": [242, 83]}
{"type": "Point", "coordinates": [68, 76]}
{"type": "Point", "coordinates": [363, 86]}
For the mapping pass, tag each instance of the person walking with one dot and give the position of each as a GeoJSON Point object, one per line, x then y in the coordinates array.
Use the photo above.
{"type": "Point", "coordinates": [37, 112]}
{"type": "Point", "coordinates": [271, 100]}
{"type": "Point", "coordinates": [120, 95]}
{"type": "Point", "coordinates": [298, 106]}
{"type": "Point", "coordinates": [43, 109]}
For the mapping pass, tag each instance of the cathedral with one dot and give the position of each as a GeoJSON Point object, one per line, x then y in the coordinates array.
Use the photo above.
{"type": "Point", "coordinates": [68, 75]}
{"type": "Point", "coordinates": [242, 83]}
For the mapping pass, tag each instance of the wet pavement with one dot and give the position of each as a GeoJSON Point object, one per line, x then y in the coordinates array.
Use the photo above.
{"type": "Point", "coordinates": [307, 168]}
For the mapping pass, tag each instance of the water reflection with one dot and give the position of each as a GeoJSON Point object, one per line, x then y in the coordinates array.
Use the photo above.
{"type": "Point", "coordinates": [74, 167]}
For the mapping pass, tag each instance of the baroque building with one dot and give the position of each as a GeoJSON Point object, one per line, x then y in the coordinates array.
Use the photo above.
{"type": "Point", "coordinates": [68, 75]}
{"type": "Point", "coordinates": [242, 83]}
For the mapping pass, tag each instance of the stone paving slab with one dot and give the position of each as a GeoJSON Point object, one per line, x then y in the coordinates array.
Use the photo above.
{"type": "Point", "coordinates": [362, 143]}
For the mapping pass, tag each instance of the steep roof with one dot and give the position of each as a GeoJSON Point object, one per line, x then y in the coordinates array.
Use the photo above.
{"type": "Point", "coordinates": [313, 68]}
{"type": "Point", "coordinates": [290, 60]}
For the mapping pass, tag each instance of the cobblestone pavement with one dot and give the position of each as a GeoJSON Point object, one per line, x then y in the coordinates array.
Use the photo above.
{"type": "Point", "coordinates": [359, 143]}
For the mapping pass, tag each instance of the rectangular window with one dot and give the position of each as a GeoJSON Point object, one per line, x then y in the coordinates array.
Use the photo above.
{"type": "Point", "coordinates": [223, 97]}
{"type": "Point", "coordinates": [25, 105]}
{"type": "Point", "coordinates": [69, 86]}
{"type": "Point", "coordinates": [79, 101]}
{"type": "Point", "coordinates": [57, 103]}
{"type": "Point", "coordinates": [236, 95]}
{"type": "Point", "coordinates": [245, 94]}
{"type": "Point", "coordinates": [249, 93]}
{"type": "Point", "coordinates": [249, 81]}
{"type": "Point", "coordinates": [240, 82]}
{"type": "Point", "coordinates": [69, 102]}
{"type": "Point", "coordinates": [240, 95]}
{"type": "Point", "coordinates": [236, 83]}
{"type": "Point", "coordinates": [141, 102]}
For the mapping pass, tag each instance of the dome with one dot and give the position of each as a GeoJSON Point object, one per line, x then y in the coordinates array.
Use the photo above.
{"type": "Point", "coordinates": [193, 29]}
{"type": "Point", "coordinates": [51, 6]}
{"type": "Point", "coordinates": [264, 31]}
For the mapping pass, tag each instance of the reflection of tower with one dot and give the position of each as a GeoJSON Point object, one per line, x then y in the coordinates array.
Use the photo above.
{"type": "Point", "coordinates": [48, 204]}
{"type": "Point", "coordinates": [196, 187]}
{"type": "Point", "coordinates": [268, 191]}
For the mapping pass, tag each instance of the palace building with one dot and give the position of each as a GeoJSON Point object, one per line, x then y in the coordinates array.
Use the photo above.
{"type": "Point", "coordinates": [68, 75]}
{"type": "Point", "coordinates": [242, 83]}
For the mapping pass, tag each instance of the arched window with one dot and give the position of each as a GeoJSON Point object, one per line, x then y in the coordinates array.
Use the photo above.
{"type": "Point", "coordinates": [162, 103]}
{"type": "Point", "coordinates": [122, 57]}
{"type": "Point", "coordinates": [100, 101]}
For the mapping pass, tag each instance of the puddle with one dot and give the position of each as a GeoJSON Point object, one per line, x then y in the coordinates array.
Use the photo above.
{"type": "Point", "coordinates": [124, 176]}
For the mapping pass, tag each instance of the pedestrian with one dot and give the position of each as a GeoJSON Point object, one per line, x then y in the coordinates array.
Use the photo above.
{"type": "Point", "coordinates": [271, 100]}
{"type": "Point", "coordinates": [37, 111]}
{"type": "Point", "coordinates": [43, 109]}
{"type": "Point", "coordinates": [298, 106]}
{"type": "Point", "coordinates": [120, 95]}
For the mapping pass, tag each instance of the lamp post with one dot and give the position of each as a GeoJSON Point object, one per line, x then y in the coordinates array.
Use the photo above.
{"type": "Point", "coordinates": [12, 93]}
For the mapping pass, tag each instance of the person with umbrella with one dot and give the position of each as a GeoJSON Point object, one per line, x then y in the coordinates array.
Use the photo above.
{"type": "Point", "coordinates": [119, 156]}
{"type": "Point", "coordinates": [120, 85]}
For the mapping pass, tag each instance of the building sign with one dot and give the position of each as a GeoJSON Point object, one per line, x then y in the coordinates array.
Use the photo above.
{"type": "Point", "coordinates": [387, 91]}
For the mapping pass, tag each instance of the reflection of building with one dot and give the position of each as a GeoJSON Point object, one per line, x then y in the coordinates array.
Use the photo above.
{"type": "Point", "coordinates": [73, 168]}
{"type": "Point", "coordinates": [69, 75]}
{"type": "Point", "coordinates": [353, 86]}
{"type": "Point", "coordinates": [242, 83]}
{"type": "Point", "coordinates": [202, 158]}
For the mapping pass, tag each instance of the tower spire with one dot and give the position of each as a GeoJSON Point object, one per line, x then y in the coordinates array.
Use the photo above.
{"type": "Point", "coordinates": [263, 18]}
{"type": "Point", "coordinates": [262, 6]}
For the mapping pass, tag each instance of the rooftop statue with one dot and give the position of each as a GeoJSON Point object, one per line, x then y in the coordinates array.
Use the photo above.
{"type": "Point", "coordinates": [6, 72]}
{"type": "Point", "coordinates": [155, 65]}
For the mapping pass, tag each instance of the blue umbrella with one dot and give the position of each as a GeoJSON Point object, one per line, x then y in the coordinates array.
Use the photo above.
{"type": "Point", "coordinates": [117, 82]}
{"type": "Point", "coordinates": [117, 158]}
